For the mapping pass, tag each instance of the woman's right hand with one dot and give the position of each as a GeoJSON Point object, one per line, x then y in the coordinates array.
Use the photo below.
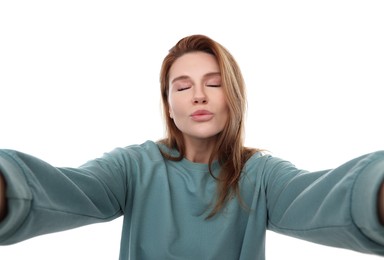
{"type": "Point", "coordinates": [3, 201]}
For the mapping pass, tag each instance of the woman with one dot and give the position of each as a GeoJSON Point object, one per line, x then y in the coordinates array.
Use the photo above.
{"type": "Point", "coordinates": [198, 193]}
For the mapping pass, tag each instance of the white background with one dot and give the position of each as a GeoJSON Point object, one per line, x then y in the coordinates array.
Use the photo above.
{"type": "Point", "coordinates": [78, 78]}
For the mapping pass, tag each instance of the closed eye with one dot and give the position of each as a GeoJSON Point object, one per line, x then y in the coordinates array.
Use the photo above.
{"type": "Point", "coordinates": [183, 88]}
{"type": "Point", "coordinates": [214, 86]}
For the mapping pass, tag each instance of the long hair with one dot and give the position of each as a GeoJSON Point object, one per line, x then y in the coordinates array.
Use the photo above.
{"type": "Point", "coordinates": [229, 149]}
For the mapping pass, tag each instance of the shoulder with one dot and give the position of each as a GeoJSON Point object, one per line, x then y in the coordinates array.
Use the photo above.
{"type": "Point", "coordinates": [266, 165]}
{"type": "Point", "coordinates": [149, 150]}
{"type": "Point", "coordinates": [257, 160]}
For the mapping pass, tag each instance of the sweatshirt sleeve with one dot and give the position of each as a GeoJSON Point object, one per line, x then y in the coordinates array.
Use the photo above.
{"type": "Point", "coordinates": [44, 199]}
{"type": "Point", "coordinates": [336, 207]}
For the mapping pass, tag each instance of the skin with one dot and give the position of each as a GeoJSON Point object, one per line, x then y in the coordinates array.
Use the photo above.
{"type": "Point", "coordinates": [2, 197]}
{"type": "Point", "coordinates": [195, 84]}
{"type": "Point", "coordinates": [381, 204]}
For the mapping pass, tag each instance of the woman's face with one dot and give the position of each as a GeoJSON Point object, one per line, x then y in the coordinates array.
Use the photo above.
{"type": "Point", "coordinates": [197, 102]}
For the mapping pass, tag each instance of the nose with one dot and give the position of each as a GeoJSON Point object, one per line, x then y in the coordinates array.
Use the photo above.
{"type": "Point", "coordinates": [199, 96]}
{"type": "Point", "coordinates": [199, 100]}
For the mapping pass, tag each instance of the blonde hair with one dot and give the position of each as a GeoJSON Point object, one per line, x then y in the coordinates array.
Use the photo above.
{"type": "Point", "coordinates": [229, 149]}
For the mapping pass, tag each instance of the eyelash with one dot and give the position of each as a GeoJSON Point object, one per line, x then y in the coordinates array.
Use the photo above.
{"type": "Point", "coordinates": [211, 85]}
{"type": "Point", "coordinates": [184, 88]}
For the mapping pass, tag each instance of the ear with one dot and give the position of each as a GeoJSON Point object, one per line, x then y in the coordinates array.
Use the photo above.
{"type": "Point", "coordinates": [170, 113]}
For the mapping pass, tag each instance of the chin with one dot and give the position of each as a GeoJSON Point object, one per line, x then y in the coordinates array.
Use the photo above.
{"type": "Point", "coordinates": [204, 136]}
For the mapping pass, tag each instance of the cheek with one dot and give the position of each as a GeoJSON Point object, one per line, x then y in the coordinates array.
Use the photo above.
{"type": "Point", "coordinates": [225, 111]}
{"type": "Point", "coordinates": [175, 107]}
{"type": "Point", "coordinates": [225, 114]}
{"type": "Point", "coordinates": [170, 109]}
{"type": "Point", "coordinates": [224, 105]}
{"type": "Point", "coordinates": [170, 106]}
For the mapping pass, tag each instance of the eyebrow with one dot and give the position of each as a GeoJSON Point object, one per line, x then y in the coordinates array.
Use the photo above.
{"type": "Point", "coordinates": [183, 77]}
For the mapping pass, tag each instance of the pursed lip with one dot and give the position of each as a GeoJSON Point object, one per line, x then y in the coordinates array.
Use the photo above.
{"type": "Point", "coordinates": [201, 115]}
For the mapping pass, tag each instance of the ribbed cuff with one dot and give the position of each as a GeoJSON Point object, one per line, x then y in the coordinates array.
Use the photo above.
{"type": "Point", "coordinates": [365, 196]}
{"type": "Point", "coordinates": [18, 194]}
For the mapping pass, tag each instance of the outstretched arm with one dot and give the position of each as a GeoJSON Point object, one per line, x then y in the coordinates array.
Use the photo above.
{"type": "Point", "coordinates": [3, 206]}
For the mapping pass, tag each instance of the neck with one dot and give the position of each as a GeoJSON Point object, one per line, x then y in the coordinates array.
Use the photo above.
{"type": "Point", "coordinates": [199, 150]}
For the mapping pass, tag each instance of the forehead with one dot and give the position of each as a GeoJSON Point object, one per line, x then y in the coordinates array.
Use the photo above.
{"type": "Point", "coordinates": [194, 64]}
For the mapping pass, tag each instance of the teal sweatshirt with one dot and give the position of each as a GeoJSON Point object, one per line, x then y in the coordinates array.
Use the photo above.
{"type": "Point", "coordinates": [165, 203]}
